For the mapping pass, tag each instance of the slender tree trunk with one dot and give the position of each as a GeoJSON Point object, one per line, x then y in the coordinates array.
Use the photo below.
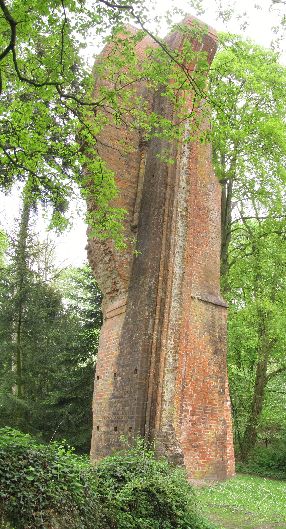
{"type": "Point", "coordinates": [226, 203]}
{"type": "Point", "coordinates": [20, 296]}
{"type": "Point", "coordinates": [250, 434]}
{"type": "Point", "coordinates": [228, 174]}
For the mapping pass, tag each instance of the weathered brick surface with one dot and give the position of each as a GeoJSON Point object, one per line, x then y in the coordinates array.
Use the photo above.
{"type": "Point", "coordinates": [161, 369]}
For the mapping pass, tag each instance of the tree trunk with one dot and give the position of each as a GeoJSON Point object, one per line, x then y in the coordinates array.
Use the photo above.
{"type": "Point", "coordinates": [228, 175]}
{"type": "Point", "coordinates": [20, 295]}
{"type": "Point", "coordinates": [226, 202]}
{"type": "Point", "coordinates": [250, 434]}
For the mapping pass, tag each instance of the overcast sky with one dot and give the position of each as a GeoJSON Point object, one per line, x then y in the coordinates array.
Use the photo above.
{"type": "Point", "coordinates": [255, 22]}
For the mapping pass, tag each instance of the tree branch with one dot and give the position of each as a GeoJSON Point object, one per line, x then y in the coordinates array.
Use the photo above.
{"type": "Point", "coordinates": [114, 5]}
{"type": "Point", "coordinates": [13, 24]}
{"type": "Point", "coordinates": [12, 48]}
{"type": "Point", "coordinates": [16, 163]}
{"type": "Point", "coordinates": [275, 373]}
{"type": "Point", "coordinates": [65, 21]}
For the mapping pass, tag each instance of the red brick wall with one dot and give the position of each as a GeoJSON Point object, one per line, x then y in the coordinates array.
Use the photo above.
{"type": "Point", "coordinates": [161, 370]}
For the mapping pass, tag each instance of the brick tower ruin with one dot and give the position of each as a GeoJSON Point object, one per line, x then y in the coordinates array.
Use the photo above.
{"type": "Point", "coordinates": [161, 369]}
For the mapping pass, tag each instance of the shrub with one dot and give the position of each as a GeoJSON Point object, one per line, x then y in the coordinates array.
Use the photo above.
{"type": "Point", "coordinates": [48, 487]}
{"type": "Point", "coordinates": [141, 492]}
{"type": "Point", "coordinates": [42, 486]}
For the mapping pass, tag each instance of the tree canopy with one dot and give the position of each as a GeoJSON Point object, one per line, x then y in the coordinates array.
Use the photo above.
{"type": "Point", "coordinates": [249, 133]}
{"type": "Point", "coordinates": [50, 115]}
{"type": "Point", "coordinates": [249, 148]}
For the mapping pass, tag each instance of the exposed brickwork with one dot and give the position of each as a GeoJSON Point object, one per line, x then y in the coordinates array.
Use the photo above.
{"type": "Point", "coordinates": [161, 369]}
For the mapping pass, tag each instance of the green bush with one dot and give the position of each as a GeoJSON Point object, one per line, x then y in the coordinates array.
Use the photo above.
{"type": "Point", "coordinates": [45, 486]}
{"type": "Point", "coordinates": [48, 487]}
{"type": "Point", "coordinates": [141, 492]}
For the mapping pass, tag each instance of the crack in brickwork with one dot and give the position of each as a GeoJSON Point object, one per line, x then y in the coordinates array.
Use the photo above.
{"type": "Point", "coordinates": [161, 369]}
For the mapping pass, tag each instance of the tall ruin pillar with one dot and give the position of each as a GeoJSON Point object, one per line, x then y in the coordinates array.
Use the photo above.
{"type": "Point", "coordinates": [161, 369]}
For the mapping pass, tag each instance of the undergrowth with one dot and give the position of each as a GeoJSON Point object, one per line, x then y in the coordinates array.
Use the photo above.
{"type": "Point", "coordinates": [49, 487]}
{"type": "Point", "coordinates": [266, 462]}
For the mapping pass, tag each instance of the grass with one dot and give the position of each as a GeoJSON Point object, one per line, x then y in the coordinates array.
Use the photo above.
{"type": "Point", "coordinates": [245, 502]}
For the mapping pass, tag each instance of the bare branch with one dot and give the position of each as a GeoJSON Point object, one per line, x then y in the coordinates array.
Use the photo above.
{"type": "Point", "coordinates": [114, 5]}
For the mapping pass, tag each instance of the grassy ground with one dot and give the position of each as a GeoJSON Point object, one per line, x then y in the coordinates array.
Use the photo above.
{"type": "Point", "coordinates": [245, 502]}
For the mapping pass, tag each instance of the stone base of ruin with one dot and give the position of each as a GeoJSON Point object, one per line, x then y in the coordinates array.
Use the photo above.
{"type": "Point", "coordinates": [161, 369]}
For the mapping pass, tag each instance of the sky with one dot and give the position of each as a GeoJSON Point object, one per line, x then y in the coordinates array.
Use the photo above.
{"type": "Point", "coordinates": [255, 21]}
{"type": "Point", "coordinates": [69, 246]}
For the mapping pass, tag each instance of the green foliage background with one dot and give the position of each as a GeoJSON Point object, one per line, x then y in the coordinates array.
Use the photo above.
{"type": "Point", "coordinates": [249, 151]}
{"type": "Point", "coordinates": [60, 321]}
